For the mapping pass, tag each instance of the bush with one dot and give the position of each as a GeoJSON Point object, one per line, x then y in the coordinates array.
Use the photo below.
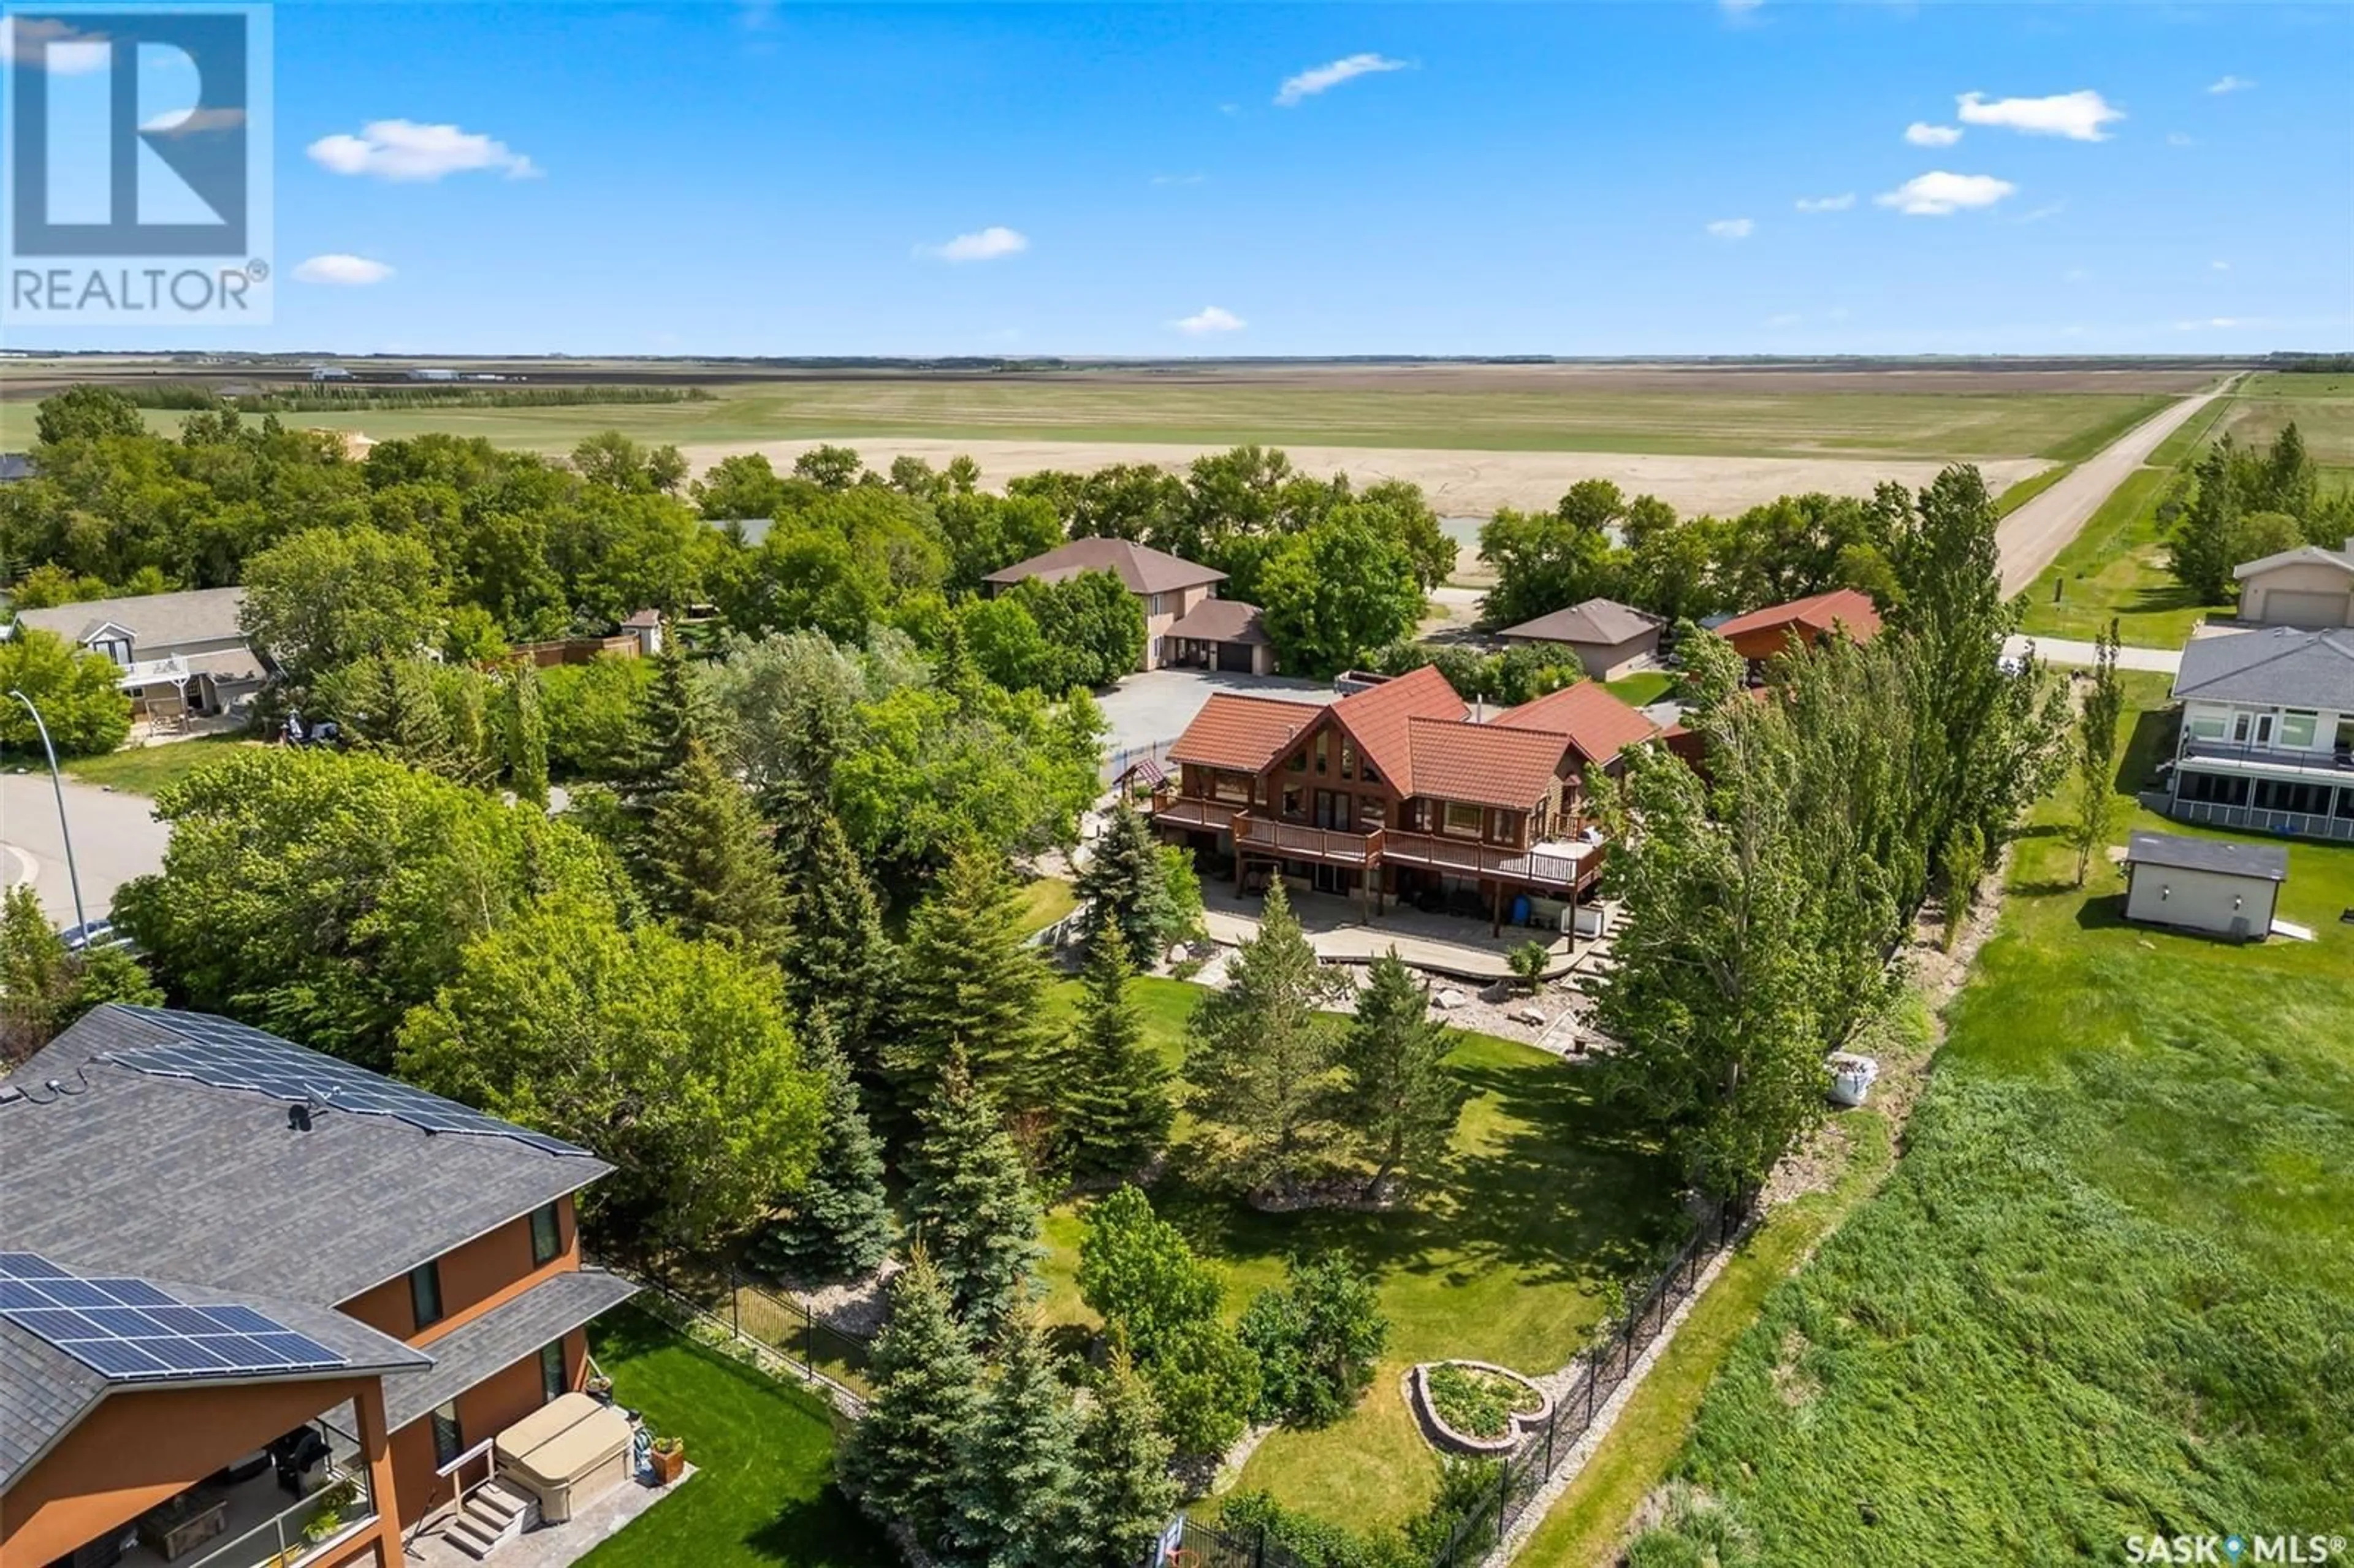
{"type": "Point", "coordinates": [75, 690]}
{"type": "Point", "coordinates": [1316, 1340]}
{"type": "Point", "coordinates": [1475, 1402]}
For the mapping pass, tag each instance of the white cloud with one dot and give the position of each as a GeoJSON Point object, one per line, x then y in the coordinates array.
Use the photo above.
{"type": "Point", "coordinates": [2220, 324]}
{"type": "Point", "coordinates": [2049, 209]}
{"type": "Point", "coordinates": [2177, 139]}
{"type": "Point", "coordinates": [1179, 179]}
{"type": "Point", "coordinates": [2078, 116]}
{"type": "Point", "coordinates": [404, 150]}
{"type": "Point", "coordinates": [194, 122]}
{"type": "Point", "coordinates": [2220, 266]}
{"type": "Point", "coordinates": [2232, 84]}
{"type": "Point", "coordinates": [49, 31]}
{"type": "Point", "coordinates": [1324, 78]}
{"type": "Point", "coordinates": [1733, 228]}
{"type": "Point", "coordinates": [1839, 203]}
{"type": "Point", "coordinates": [1923, 134]}
{"type": "Point", "coordinates": [1937, 193]}
{"type": "Point", "coordinates": [1738, 9]}
{"type": "Point", "coordinates": [992, 244]}
{"type": "Point", "coordinates": [1210, 319]}
{"type": "Point", "coordinates": [348, 272]}
{"type": "Point", "coordinates": [1787, 319]}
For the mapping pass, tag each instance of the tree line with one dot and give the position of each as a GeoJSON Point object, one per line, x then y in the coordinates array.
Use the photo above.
{"type": "Point", "coordinates": [2241, 504]}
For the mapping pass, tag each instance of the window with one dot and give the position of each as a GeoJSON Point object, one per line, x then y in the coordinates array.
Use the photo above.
{"type": "Point", "coordinates": [1232, 787]}
{"type": "Point", "coordinates": [115, 648]}
{"type": "Point", "coordinates": [2239, 728]}
{"type": "Point", "coordinates": [546, 1234]}
{"type": "Point", "coordinates": [1348, 758]}
{"type": "Point", "coordinates": [449, 1437]}
{"type": "Point", "coordinates": [1324, 738]}
{"type": "Point", "coordinates": [1298, 763]}
{"type": "Point", "coordinates": [425, 1293]}
{"type": "Point", "coordinates": [2297, 728]}
{"type": "Point", "coordinates": [1373, 813]}
{"type": "Point", "coordinates": [551, 1372]}
{"type": "Point", "coordinates": [1461, 820]}
{"type": "Point", "coordinates": [1152, 604]}
{"type": "Point", "coordinates": [1293, 798]}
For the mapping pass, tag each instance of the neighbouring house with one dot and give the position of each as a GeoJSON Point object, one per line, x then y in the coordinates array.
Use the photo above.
{"type": "Point", "coordinates": [2307, 587]}
{"type": "Point", "coordinates": [1762, 633]}
{"type": "Point", "coordinates": [2204, 884]}
{"type": "Point", "coordinates": [1608, 638]}
{"type": "Point", "coordinates": [180, 652]}
{"type": "Point", "coordinates": [14, 466]}
{"type": "Point", "coordinates": [1168, 588]}
{"type": "Point", "coordinates": [2268, 735]}
{"type": "Point", "coordinates": [241, 1282]}
{"type": "Point", "coordinates": [1220, 634]}
{"type": "Point", "coordinates": [1400, 790]}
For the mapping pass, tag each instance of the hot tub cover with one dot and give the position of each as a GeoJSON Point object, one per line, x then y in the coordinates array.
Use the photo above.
{"type": "Point", "coordinates": [566, 1437]}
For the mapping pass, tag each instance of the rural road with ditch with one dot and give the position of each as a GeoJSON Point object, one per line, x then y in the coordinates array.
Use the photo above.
{"type": "Point", "coordinates": [2031, 537]}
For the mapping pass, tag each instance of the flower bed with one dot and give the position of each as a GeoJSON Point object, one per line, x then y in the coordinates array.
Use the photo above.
{"type": "Point", "coordinates": [1477, 1407]}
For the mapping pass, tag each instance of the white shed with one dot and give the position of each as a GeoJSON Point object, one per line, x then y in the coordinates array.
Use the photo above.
{"type": "Point", "coordinates": [2223, 885]}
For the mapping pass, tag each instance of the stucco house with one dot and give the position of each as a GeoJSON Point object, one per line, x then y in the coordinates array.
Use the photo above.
{"type": "Point", "coordinates": [2217, 886]}
{"type": "Point", "coordinates": [2307, 587]}
{"type": "Point", "coordinates": [180, 652]}
{"type": "Point", "coordinates": [1168, 590]}
{"type": "Point", "coordinates": [1608, 638]}
{"type": "Point", "coordinates": [2267, 736]}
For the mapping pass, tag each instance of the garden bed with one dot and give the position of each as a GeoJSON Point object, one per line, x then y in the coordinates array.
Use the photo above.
{"type": "Point", "coordinates": [1476, 1407]}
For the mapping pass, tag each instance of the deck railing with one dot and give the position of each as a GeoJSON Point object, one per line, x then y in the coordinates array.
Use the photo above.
{"type": "Point", "coordinates": [1472, 857]}
{"type": "Point", "coordinates": [2266, 755]}
{"type": "Point", "coordinates": [1329, 844]}
{"type": "Point", "coordinates": [2259, 819]}
{"type": "Point", "coordinates": [1190, 811]}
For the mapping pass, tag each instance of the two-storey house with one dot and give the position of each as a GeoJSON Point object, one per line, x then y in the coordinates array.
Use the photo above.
{"type": "Point", "coordinates": [244, 1285]}
{"type": "Point", "coordinates": [1401, 791]}
{"type": "Point", "coordinates": [179, 653]}
{"type": "Point", "coordinates": [2267, 733]}
{"type": "Point", "coordinates": [1185, 623]}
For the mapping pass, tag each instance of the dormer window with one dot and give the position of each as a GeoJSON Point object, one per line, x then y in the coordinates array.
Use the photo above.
{"type": "Point", "coordinates": [115, 648]}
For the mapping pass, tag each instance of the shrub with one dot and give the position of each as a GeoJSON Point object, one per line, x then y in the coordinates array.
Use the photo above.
{"type": "Point", "coordinates": [1316, 1340]}
{"type": "Point", "coordinates": [1477, 1402]}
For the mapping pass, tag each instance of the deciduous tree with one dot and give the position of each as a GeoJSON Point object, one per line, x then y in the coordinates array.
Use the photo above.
{"type": "Point", "coordinates": [80, 693]}
{"type": "Point", "coordinates": [1316, 1340]}
{"type": "Point", "coordinates": [329, 595]}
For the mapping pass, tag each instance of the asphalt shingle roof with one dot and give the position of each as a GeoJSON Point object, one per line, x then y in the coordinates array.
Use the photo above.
{"type": "Point", "coordinates": [1603, 620]}
{"type": "Point", "coordinates": [502, 1337]}
{"type": "Point", "coordinates": [43, 1392]}
{"type": "Point", "coordinates": [2282, 667]}
{"type": "Point", "coordinates": [154, 621]}
{"type": "Point", "coordinates": [1221, 620]}
{"type": "Point", "coordinates": [1143, 570]}
{"type": "Point", "coordinates": [2231, 857]}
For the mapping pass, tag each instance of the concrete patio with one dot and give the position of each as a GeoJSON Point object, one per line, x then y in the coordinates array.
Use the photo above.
{"type": "Point", "coordinates": [550, 1546]}
{"type": "Point", "coordinates": [1450, 945]}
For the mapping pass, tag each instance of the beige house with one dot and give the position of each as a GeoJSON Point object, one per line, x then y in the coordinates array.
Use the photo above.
{"type": "Point", "coordinates": [2308, 586]}
{"type": "Point", "coordinates": [180, 652]}
{"type": "Point", "coordinates": [1609, 639]}
{"type": "Point", "coordinates": [1168, 588]}
{"type": "Point", "coordinates": [2219, 886]}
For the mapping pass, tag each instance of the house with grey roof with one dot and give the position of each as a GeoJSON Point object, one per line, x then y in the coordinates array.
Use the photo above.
{"type": "Point", "coordinates": [2267, 733]}
{"type": "Point", "coordinates": [1168, 590]}
{"type": "Point", "coordinates": [2308, 586]}
{"type": "Point", "coordinates": [242, 1283]}
{"type": "Point", "coordinates": [180, 652]}
{"type": "Point", "coordinates": [1609, 639]}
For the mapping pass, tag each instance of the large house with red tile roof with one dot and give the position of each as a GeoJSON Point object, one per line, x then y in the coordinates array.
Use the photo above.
{"type": "Point", "coordinates": [1762, 633]}
{"type": "Point", "coordinates": [1401, 791]}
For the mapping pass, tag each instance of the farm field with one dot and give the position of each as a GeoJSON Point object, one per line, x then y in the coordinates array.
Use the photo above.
{"type": "Point", "coordinates": [2322, 408]}
{"type": "Point", "coordinates": [1552, 1195]}
{"type": "Point", "coordinates": [2106, 1291]}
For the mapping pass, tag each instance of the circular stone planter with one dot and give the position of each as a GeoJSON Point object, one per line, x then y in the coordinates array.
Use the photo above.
{"type": "Point", "coordinates": [1434, 1426]}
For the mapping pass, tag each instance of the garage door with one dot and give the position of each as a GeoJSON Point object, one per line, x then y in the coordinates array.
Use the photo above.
{"type": "Point", "coordinates": [1235, 656]}
{"type": "Point", "coordinates": [2304, 608]}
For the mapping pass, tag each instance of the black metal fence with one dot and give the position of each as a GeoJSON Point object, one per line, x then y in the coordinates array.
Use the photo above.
{"type": "Point", "coordinates": [792, 1331]}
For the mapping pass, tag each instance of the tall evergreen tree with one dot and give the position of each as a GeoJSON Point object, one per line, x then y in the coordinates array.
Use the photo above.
{"type": "Point", "coordinates": [968, 977]}
{"type": "Point", "coordinates": [1130, 1492]}
{"type": "Point", "coordinates": [898, 1461]}
{"type": "Point", "coordinates": [526, 733]}
{"type": "Point", "coordinates": [676, 713]}
{"type": "Point", "coordinates": [838, 959]}
{"type": "Point", "coordinates": [971, 1200]}
{"type": "Point", "coordinates": [1115, 1107]}
{"type": "Point", "coordinates": [840, 1221]}
{"type": "Point", "coordinates": [1263, 1059]}
{"type": "Point", "coordinates": [1125, 885]}
{"type": "Point", "coordinates": [1018, 1501]}
{"type": "Point", "coordinates": [706, 862]}
{"type": "Point", "coordinates": [1400, 1097]}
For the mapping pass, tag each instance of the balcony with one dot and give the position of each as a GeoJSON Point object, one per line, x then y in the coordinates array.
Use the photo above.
{"type": "Point", "coordinates": [256, 1523]}
{"type": "Point", "coordinates": [1190, 811]}
{"type": "Point", "coordinates": [1295, 841]}
{"type": "Point", "coordinates": [2251, 756]}
{"type": "Point", "coordinates": [1569, 866]}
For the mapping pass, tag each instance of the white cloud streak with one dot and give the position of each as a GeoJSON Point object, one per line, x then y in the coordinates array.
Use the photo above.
{"type": "Point", "coordinates": [1923, 134]}
{"type": "Point", "coordinates": [992, 244]}
{"type": "Point", "coordinates": [343, 270]}
{"type": "Point", "coordinates": [1324, 78]}
{"type": "Point", "coordinates": [49, 32]}
{"type": "Point", "coordinates": [406, 152]}
{"type": "Point", "coordinates": [2231, 84]}
{"type": "Point", "coordinates": [1938, 194]}
{"type": "Point", "coordinates": [2078, 116]}
{"type": "Point", "coordinates": [1733, 228]}
{"type": "Point", "coordinates": [1209, 321]}
{"type": "Point", "coordinates": [1839, 203]}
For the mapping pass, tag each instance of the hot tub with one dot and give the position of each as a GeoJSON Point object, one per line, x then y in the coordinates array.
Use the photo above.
{"type": "Point", "coordinates": [568, 1454]}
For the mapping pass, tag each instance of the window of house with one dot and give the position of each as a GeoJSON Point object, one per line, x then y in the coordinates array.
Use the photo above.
{"type": "Point", "coordinates": [1298, 763]}
{"type": "Point", "coordinates": [1235, 787]}
{"type": "Point", "coordinates": [547, 1236]}
{"type": "Point", "coordinates": [2240, 722]}
{"type": "Point", "coordinates": [1348, 758]}
{"type": "Point", "coordinates": [2297, 728]}
{"type": "Point", "coordinates": [449, 1437]}
{"type": "Point", "coordinates": [115, 648]}
{"type": "Point", "coordinates": [1152, 604]}
{"type": "Point", "coordinates": [551, 1372]}
{"type": "Point", "coordinates": [1322, 738]}
{"type": "Point", "coordinates": [1373, 813]}
{"type": "Point", "coordinates": [2206, 727]}
{"type": "Point", "coordinates": [1505, 827]}
{"type": "Point", "coordinates": [425, 1292]}
{"type": "Point", "coordinates": [1294, 800]}
{"type": "Point", "coordinates": [1461, 820]}
{"type": "Point", "coordinates": [1365, 770]}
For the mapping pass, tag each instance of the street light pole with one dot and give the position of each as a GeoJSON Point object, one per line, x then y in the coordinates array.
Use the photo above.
{"type": "Point", "coordinates": [65, 829]}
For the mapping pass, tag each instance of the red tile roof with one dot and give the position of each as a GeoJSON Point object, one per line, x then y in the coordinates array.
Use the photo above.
{"type": "Point", "coordinates": [1378, 717]}
{"type": "Point", "coordinates": [1811, 617]}
{"type": "Point", "coordinates": [1482, 764]}
{"type": "Point", "coordinates": [1244, 734]}
{"type": "Point", "coordinates": [1596, 723]}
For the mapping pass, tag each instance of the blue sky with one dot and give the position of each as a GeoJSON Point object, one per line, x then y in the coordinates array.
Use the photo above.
{"type": "Point", "coordinates": [1132, 180]}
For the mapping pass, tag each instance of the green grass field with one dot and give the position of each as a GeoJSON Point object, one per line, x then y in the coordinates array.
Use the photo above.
{"type": "Point", "coordinates": [1552, 1196]}
{"type": "Point", "coordinates": [1643, 687]}
{"type": "Point", "coordinates": [2109, 1287]}
{"type": "Point", "coordinates": [763, 1494]}
{"type": "Point", "coordinates": [2116, 568]}
{"type": "Point", "coordinates": [1720, 417]}
{"type": "Point", "coordinates": [2321, 406]}
{"type": "Point", "coordinates": [145, 769]}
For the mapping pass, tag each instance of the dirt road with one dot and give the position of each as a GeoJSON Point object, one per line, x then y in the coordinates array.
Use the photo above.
{"type": "Point", "coordinates": [2031, 536]}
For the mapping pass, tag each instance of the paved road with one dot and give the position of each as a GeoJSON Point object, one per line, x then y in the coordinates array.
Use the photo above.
{"type": "Point", "coordinates": [115, 836]}
{"type": "Point", "coordinates": [2034, 536]}
{"type": "Point", "coordinates": [2065, 651]}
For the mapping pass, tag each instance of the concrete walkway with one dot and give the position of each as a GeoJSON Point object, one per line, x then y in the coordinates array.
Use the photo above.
{"type": "Point", "coordinates": [2032, 537]}
{"type": "Point", "coordinates": [2066, 651]}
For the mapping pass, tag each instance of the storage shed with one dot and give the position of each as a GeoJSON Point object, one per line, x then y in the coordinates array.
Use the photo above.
{"type": "Point", "coordinates": [2220, 886]}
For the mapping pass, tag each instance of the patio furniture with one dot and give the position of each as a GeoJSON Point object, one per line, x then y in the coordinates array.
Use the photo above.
{"type": "Point", "coordinates": [174, 1528]}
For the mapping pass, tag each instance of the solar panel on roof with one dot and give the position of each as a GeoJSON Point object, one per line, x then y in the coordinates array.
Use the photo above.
{"type": "Point", "coordinates": [161, 1337]}
{"type": "Point", "coordinates": [230, 1055]}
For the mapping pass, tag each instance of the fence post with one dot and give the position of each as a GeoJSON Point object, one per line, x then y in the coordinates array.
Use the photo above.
{"type": "Point", "coordinates": [1259, 1556]}
{"type": "Point", "coordinates": [1552, 1422]}
{"type": "Point", "coordinates": [809, 1342]}
{"type": "Point", "coordinates": [1503, 1495]}
{"type": "Point", "coordinates": [735, 1302]}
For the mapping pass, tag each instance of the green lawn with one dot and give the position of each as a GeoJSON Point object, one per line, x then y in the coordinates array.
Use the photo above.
{"type": "Point", "coordinates": [2116, 568]}
{"type": "Point", "coordinates": [1045, 900]}
{"type": "Point", "coordinates": [144, 769]}
{"type": "Point", "coordinates": [1644, 687]}
{"type": "Point", "coordinates": [2028, 489]}
{"type": "Point", "coordinates": [2109, 1288]}
{"type": "Point", "coordinates": [764, 1453]}
{"type": "Point", "coordinates": [1552, 1195]}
